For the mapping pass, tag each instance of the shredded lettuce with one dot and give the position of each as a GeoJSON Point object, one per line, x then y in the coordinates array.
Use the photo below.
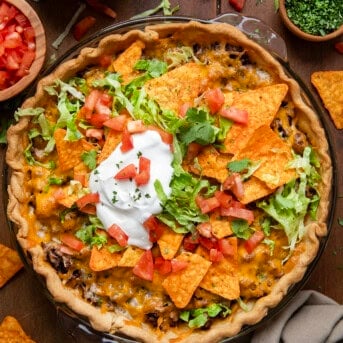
{"type": "Point", "coordinates": [290, 204]}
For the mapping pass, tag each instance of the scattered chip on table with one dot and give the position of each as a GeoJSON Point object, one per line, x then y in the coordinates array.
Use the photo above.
{"type": "Point", "coordinates": [12, 332]}
{"type": "Point", "coordinates": [262, 105]}
{"type": "Point", "coordinates": [10, 264]}
{"type": "Point", "coordinates": [329, 85]}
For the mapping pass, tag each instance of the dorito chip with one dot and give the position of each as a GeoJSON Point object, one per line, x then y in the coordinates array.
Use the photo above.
{"type": "Point", "coordinates": [181, 285]}
{"type": "Point", "coordinates": [169, 243]}
{"type": "Point", "coordinates": [69, 153]}
{"type": "Point", "coordinates": [130, 257]}
{"type": "Point", "coordinates": [124, 64]}
{"type": "Point", "coordinates": [262, 105]}
{"type": "Point", "coordinates": [178, 86]}
{"type": "Point", "coordinates": [222, 277]}
{"type": "Point", "coordinates": [220, 227]}
{"type": "Point", "coordinates": [329, 85]}
{"type": "Point", "coordinates": [112, 140]}
{"type": "Point", "coordinates": [273, 154]}
{"type": "Point", "coordinates": [103, 259]}
{"type": "Point", "coordinates": [254, 189]}
{"type": "Point", "coordinates": [12, 332]}
{"type": "Point", "coordinates": [10, 264]}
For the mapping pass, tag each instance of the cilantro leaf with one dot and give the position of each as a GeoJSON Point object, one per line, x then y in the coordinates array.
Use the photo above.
{"type": "Point", "coordinates": [89, 159]}
{"type": "Point", "coordinates": [240, 228]}
{"type": "Point", "coordinates": [239, 166]}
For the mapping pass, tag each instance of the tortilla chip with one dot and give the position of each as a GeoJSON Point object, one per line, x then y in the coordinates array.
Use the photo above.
{"type": "Point", "coordinates": [10, 264]}
{"type": "Point", "coordinates": [113, 138]}
{"type": "Point", "coordinates": [222, 277]}
{"type": "Point", "coordinates": [181, 285]}
{"type": "Point", "coordinates": [102, 259]}
{"type": "Point", "coordinates": [12, 332]}
{"type": "Point", "coordinates": [220, 227]}
{"type": "Point", "coordinates": [69, 153]}
{"type": "Point", "coordinates": [130, 257]}
{"type": "Point", "coordinates": [124, 64]}
{"type": "Point", "coordinates": [329, 85]}
{"type": "Point", "coordinates": [169, 243]}
{"type": "Point", "coordinates": [254, 189]}
{"type": "Point", "coordinates": [212, 164]}
{"type": "Point", "coordinates": [266, 147]}
{"type": "Point", "coordinates": [46, 203]}
{"type": "Point", "coordinates": [178, 86]}
{"type": "Point", "coordinates": [262, 105]}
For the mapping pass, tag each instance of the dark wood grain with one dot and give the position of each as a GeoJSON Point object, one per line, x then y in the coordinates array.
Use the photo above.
{"type": "Point", "coordinates": [22, 296]}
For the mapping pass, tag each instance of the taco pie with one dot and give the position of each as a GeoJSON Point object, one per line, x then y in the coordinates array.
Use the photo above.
{"type": "Point", "coordinates": [169, 184]}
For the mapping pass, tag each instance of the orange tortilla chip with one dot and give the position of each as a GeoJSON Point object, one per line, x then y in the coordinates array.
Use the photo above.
{"type": "Point", "coordinates": [262, 105]}
{"type": "Point", "coordinates": [102, 259]}
{"type": "Point", "coordinates": [329, 85]}
{"type": "Point", "coordinates": [212, 164]}
{"type": "Point", "coordinates": [254, 189]}
{"type": "Point", "coordinates": [169, 243]}
{"type": "Point", "coordinates": [12, 332]}
{"type": "Point", "coordinates": [69, 153]}
{"type": "Point", "coordinates": [125, 62]}
{"type": "Point", "coordinates": [10, 264]}
{"type": "Point", "coordinates": [178, 86]}
{"type": "Point", "coordinates": [113, 138]}
{"type": "Point", "coordinates": [220, 227]}
{"type": "Point", "coordinates": [130, 257]}
{"type": "Point", "coordinates": [181, 285]}
{"type": "Point", "coordinates": [266, 147]}
{"type": "Point", "coordinates": [222, 277]}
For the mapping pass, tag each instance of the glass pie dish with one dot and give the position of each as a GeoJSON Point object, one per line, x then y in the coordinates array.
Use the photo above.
{"type": "Point", "coordinates": [256, 30]}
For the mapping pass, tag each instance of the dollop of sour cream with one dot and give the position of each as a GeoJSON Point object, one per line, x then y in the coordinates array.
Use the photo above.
{"type": "Point", "coordinates": [122, 202]}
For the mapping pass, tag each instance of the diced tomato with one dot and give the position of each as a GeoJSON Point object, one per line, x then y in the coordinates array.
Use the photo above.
{"type": "Point", "coordinates": [208, 243]}
{"type": "Point", "coordinates": [102, 106]}
{"type": "Point", "coordinates": [29, 34]}
{"type": "Point", "coordinates": [237, 204]}
{"type": "Point", "coordinates": [339, 47]}
{"type": "Point", "coordinates": [183, 109]}
{"type": "Point", "coordinates": [81, 178]}
{"type": "Point", "coordinates": [235, 114]}
{"type": "Point", "coordinates": [241, 213]}
{"type": "Point", "coordinates": [216, 255]}
{"type": "Point", "coordinates": [22, 20]}
{"type": "Point", "coordinates": [162, 266]}
{"type": "Point", "coordinates": [95, 133]}
{"type": "Point", "coordinates": [136, 126]}
{"type": "Point", "coordinates": [102, 8]}
{"type": "Point", "coordinates": [83, 26]}
{"type": "Point", "coordinates": [155, 228]}
{"type": "Point", "coordinates": [235, 184]}
{"type": "Point", "coordinates": [207, 204]}
{"type": "Point", "coordinates": [205, 229]}
{"type": "Point", "coordinates": [193, 150]}
{"type": "Point", "coordinates": [116, 123]}
{"type": "Point", "coordinates": [26, 62]}
{"type": "Point", "coordinates": [105, 60]}
{"type": "Point", "coordinates": [178, 265]}
{"type": "Point", "coordinates": [90, 101]}
{"type": "Point", "coordinates": [98, 119]}
{"type": "Point", "coordinates": [143, 177]}
{"type": "Point", "coordinates": [226, 247]}
{"type": "Point", "coordinates": [90, 198]}
{"type": "Point", "coordinates": [4, 76]}
{"type": "Point", "coordinates": [237, 4]}
{"type": "Point", "coordinates": [190, 242]}
{"type": "Point", "coordinates": [215, 99]}
{"type": "Point", "coordinates": [145, 266]}
{"type": "Point", "coordinates": [116, 232]}
{"type": "Point", "coordinates": [11, 62]}
{"type": "Point", "coordinates": [89, 209]}
{"type": "Point", "coordinates": [128, 172]}
{"type": "Point", "coordinates": [254, 240]}
{"type": "Point", "coordinates": [71, 241]}
{"type": "Point", "coordinates": [12, 40]}
{"type": "Point", "coordinates": [224, 199]}
{"type": "Point", "coordinates": [126, 141]}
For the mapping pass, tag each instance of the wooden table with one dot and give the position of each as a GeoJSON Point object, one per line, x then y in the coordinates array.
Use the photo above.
{"type": "Point", "coordinates": [22, 296]}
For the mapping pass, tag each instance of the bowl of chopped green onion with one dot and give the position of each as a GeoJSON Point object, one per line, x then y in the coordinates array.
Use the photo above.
{"type": "Point", "coordinates": [315, 21]}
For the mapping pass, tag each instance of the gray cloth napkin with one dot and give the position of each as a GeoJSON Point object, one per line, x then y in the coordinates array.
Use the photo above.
{"type": "Point", "coordinates": [310, 317]}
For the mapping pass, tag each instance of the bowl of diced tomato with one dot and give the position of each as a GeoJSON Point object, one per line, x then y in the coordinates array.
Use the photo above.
{"type": "Point", "coordinates": [22, 47]}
